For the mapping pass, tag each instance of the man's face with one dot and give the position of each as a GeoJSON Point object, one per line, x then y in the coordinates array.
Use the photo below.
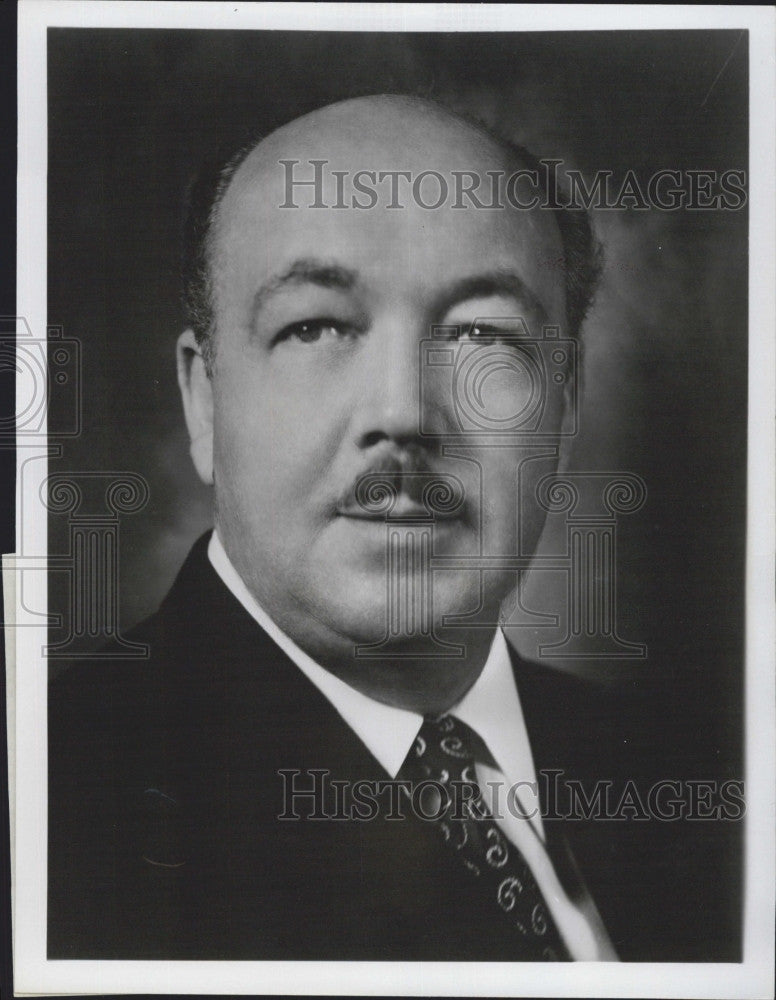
{"type": "Point", "coordinates": [317, 381]}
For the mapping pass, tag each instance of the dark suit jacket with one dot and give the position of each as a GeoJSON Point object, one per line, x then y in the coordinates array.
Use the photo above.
{"type": "Point", "coordinates": [165, 842]}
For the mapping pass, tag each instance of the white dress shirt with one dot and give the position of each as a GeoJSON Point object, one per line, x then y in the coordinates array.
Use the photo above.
{"type": "Point", "coordinates": [492, 708]}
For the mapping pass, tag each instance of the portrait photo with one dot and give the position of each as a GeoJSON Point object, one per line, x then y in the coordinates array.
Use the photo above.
{"type": "Point", "coordinates": [386, 562]}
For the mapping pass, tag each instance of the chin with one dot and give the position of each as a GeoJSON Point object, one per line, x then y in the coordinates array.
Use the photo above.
{"type": "Point", "coordinates": [360, 611]}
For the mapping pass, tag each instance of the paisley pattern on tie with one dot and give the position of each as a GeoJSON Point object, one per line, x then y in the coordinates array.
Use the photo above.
{"type": "Point", "coordinates": [444, 753]}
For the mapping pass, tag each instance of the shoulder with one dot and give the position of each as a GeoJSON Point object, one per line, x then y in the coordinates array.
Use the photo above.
{"type": "Point", "coordinates": [109, 704]}
{"type": "Point", "coordinates": [562, 699]}
{"type": "Point", "coordinates": [210, 673]}
{"type": "Point", "coordinates": [588, 725]}
{"type": "Point", "coordinates": [105, 686]}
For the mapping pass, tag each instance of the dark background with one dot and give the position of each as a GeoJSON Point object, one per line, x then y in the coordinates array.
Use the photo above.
{"type": "Point", "coordinates": [134, 112]}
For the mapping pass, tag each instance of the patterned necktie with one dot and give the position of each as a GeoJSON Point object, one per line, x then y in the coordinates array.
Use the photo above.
{"type": "Point", "coordinates": [443, 757]}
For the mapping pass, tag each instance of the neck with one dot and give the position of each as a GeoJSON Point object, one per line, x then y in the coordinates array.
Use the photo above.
{"type": "Point", "coordinates": [427, 681]}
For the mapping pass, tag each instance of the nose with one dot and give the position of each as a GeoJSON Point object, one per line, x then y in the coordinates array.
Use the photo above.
{"type": "Point", "coordinates": [389, 402]}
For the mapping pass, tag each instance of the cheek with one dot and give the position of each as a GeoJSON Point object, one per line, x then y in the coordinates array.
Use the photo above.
{"type": "Point", "coordinates": [511, 513]}
{"type": "Point", "coordinates": [271, 442]}
{"type": "Point", "coordinates": [499, 496]}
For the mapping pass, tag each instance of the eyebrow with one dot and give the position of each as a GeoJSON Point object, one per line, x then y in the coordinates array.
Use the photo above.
{"type": "Point", "coordinates": [306, 271]}
{"type": "Point", "coordinates": [501, 281]}
{"type": "Point", "coordinates": [327, 274]}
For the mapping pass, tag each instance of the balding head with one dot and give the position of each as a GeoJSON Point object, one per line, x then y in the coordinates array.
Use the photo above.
{"type": "Point", "coordinates": [389, 133]}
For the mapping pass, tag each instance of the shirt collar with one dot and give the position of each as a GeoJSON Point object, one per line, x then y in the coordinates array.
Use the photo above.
{"type": "Point", "coordinates": [491, 706]}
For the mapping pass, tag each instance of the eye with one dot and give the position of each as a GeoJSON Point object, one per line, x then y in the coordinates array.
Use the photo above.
{"type": "Point", "coordinates": [484, 333]}
{"type": "Point", "coordinates": [310, 331]}
{"type": "Point", "coordinates": [490, 332]}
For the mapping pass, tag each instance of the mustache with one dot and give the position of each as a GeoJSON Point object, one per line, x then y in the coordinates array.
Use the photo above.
{"type": "Point", "coordinates": [404, 486]}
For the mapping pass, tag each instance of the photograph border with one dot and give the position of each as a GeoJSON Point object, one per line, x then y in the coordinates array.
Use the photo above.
{"type": "Point", "coordinates": [34, 974]}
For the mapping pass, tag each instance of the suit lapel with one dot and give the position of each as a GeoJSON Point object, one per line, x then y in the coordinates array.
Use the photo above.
{"type": "Point", "coordinates": [569, 727]}
{"type": "Point", "coordinates": [231, 670]}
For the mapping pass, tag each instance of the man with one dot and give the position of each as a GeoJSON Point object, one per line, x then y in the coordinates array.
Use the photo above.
{"type": "Point", "coordinates": [338, 613]}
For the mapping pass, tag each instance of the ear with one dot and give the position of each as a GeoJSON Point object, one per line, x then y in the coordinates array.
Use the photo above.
{"type": "Point", "coordinates": [572, 401]}
{"type": "Point", "coordinates": [197, 394]}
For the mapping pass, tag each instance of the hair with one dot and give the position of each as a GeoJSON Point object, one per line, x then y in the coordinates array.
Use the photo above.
{"type": "Point", "coordinates": [204, 200]}
{"type": "Point", "coordinates": [582, 263]}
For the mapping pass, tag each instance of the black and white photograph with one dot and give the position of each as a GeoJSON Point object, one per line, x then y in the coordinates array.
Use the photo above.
{"type": "Point", "coordinates": [392, 598]}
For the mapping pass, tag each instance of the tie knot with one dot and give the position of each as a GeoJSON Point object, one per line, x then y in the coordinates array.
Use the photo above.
{"type": "Point", "coordinates": [446, 743]}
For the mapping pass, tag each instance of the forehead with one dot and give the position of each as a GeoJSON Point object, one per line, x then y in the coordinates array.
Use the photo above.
{"type": "Point", "coordinates": [407, 249]}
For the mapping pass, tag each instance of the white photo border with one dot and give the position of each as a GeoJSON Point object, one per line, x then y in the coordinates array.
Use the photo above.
{"type": "Point", "coordinates": [34, 974]}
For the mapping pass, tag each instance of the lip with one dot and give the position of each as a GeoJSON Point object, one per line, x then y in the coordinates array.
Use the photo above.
{"type": "Point", "coordinates": [404, 509]}
{"type": "Point", "coordinates": [395, 495]}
